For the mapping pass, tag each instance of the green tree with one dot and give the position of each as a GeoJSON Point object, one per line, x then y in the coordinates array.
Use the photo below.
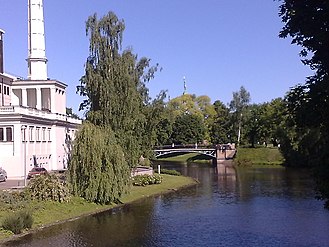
{"type": "Point", "coordinates": [114, 85]}
{"type": "Point", "coordinates": [98, 169]}
{"type": "Point", "coordinates": [188, 129]}
{"type": "Point", "coordinates": [70, 113]}
{"type": "Point", "coordinates": [253, 124]}
{"type": "Point", "coordinates": [220, 128]}
{"type": "Point", "coordinates": [238, 105]}
{"type": "Point", "coordinates": [306, 22]}
{"type": "Point", "coordinates": [117, 107]}
{"type": "Point", "coordinates": [184, 104]}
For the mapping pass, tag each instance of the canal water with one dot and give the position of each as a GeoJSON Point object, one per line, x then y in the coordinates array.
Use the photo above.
{"type": "Point", "coordinates": [245, 207]}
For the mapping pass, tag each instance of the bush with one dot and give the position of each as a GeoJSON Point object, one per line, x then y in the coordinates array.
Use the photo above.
{"type": "Point", "coordinates": [12, 200]}
{"type": "Point", "coordinates": [47, 188]}
{"type": "Point", "coordinates": [143, 180]}
{"type": "Point", "coordinates": [171, 172]}
{"type": "Point", "coordinates": [18, 221]}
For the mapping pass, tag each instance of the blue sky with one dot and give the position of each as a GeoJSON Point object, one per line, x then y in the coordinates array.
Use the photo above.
{"type": "Point", "coordinates": [218, 45]}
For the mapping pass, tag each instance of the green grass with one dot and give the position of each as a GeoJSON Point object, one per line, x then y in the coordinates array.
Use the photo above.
{"type": "Point", "coordinates": [47, 213]}
{"type": "Point", "coordinates": [270, 157]}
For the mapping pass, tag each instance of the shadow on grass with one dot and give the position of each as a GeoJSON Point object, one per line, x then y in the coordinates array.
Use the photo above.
{"type": "Point", "coordinates": [199, 157]}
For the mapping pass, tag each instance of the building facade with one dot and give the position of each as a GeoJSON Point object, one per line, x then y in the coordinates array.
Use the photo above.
{"type": "Point", "coordinates": [34, 127]}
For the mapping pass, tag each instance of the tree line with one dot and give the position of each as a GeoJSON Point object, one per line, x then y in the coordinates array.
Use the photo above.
{"type": "Point", "coordinates": [123, 123]}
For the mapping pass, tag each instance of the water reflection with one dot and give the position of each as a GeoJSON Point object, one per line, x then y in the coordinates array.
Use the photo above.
{"type": "Point", "coordinates": [230, 207]}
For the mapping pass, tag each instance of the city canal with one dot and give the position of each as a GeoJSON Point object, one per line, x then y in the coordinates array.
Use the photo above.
{"type": "Point", "coordinates": [245, 207]}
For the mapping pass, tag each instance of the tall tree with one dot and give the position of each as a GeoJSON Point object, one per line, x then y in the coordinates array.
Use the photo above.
{"type": "Point", "coordinates": [220, 128]}
{"type": "Point", "coordinates": [188, 129]}
{"type": "Point", "coordinates": [116, 96]}
{"type": "Point", "coordinates": [306, 22]}
{"type": "Point", "coordinates": [238, 105]}
{"type": "Point", "coordinates": [114, 84]}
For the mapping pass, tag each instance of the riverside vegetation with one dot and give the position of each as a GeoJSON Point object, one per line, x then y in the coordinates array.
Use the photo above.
{"type": "Point", "coordinates": [259, 156]}
{"type": "Point", "coordinates": [47, 201]}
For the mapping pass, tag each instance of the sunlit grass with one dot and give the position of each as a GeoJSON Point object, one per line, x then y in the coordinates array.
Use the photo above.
{"type": "Point", "coordinates": [259, 157]}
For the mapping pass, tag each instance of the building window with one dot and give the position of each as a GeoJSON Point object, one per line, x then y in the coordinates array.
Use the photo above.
{"type": "Point", "coordinates": [9, 134]}
{"type": "Point", "coordinates": [6, 134]}
{"type": "Point", "coordinates": [43, 134]}
{"type": "Point", "coordinates": [2, 137]}
{"type": "Point", "coordinates": [49, 134]}
{"type": "Point", "coordinates": [23, 134]}
{"type": "Point", "coordinates": [37, 134]}
{"type": "Point", "coordinates": [5, 90]}
{"type": "Point", "coordinates": [31, 139]}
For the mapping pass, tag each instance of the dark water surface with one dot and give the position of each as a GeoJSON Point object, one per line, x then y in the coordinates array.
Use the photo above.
{"type": "Point", "coordinates": [249, 207]}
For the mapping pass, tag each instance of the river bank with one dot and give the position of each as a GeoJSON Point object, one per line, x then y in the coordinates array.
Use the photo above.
{"type": "Point", "coordinates": [259, 157]}
{"type": "Point", "coordinates": [49, 213]}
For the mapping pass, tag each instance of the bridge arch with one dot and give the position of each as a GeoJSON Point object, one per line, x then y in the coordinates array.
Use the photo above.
{"type": "Point", "coordinates": [209, 152]}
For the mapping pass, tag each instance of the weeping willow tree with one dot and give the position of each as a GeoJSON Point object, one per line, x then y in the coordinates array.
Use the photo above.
{"type": "Point", "coordinates": [98, 169]}
{"type": "Point", "coordinates": [116, 96]}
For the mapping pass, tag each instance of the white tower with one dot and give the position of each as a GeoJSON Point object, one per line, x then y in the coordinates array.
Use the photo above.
{"type": "Point", "coordinates": [36, 60]}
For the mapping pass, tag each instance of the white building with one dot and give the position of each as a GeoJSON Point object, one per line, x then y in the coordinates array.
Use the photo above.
{"type": "Point", "coordinates": [34, 127]}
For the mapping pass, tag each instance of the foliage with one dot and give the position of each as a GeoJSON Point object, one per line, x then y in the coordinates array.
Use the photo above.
{"type": "Point", "coordinates": [170, 172]}
{"type": "Point", "coordinates": [47, 187]}
{"type": "Point", "coordinates": [143, 180]}
{"type": "Point", "coordinates": [98, 170]}
{"type": "Point", "coordinates": [220, 128]}
{"type": "Point", "coordinates": [306, 22]}
{"type": "Point", "coordinates": [18, 221]}
{"type": "Point", "coordinates": [184, 104]}
{"type": "Point", "coordinates": [114, 85]}
{"type": "Point", "coordinates": [258, 156]}
{"type": "Point", "coordinates": [12, 200]}
{"type": "Point", "coordinates": [238, 105]}
{"type": "Point", "coordinates": [70, 113]}
{"type": "Point", "coordinates": [155, 113]}
{"type": "Point", "coordinates": [188, 129]}
{"type": "Point", "coordinates": [164, 132]}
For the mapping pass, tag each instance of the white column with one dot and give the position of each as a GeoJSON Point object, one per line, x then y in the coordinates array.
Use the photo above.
{"type": "Point", "coordinates": [39, 103]}
{"type": "Point", "coordinates": [24, 97]}
{"type": "Point", "coordinates": [37, 61]}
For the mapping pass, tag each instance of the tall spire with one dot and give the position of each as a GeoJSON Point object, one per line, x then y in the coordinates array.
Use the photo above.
{"type": "Point", "coordinates": [1, 51]}
{"type": "Point", "coordinates": [36, 60]}
{"type": "Point", "coordinates": [185, 88]}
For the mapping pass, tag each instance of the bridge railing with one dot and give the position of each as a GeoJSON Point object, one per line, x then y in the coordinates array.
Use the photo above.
{"type": "Point", "coordinates": [228, 146]}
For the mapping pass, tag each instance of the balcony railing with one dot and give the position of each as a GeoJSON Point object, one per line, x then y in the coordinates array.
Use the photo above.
{"type": "Point", "coordinates": [4, 110]}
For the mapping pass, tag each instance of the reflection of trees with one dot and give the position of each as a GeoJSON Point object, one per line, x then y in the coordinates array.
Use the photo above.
{"type": "Point", "coordinates": [273, 182]}
{"type": "Point", "coordinates": [124, 226]}
{"type": "Point", "coordinates": [128, 224]}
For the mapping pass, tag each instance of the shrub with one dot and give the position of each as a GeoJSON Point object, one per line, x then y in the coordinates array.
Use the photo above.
{"type": "Point", "coordinates": [170, 172]}
{"type": "Point", "coordinates": [47, 188]}
{"type": "Point", "coordinates": [18, 221]}
{"type": "Point", "coordinates": [12, 200]}
{"type": "Point", "coordinates": [143, 180]}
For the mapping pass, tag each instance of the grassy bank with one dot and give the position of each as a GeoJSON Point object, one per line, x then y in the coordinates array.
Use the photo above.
{"type": "Point", "coordinates": [259, 157]}
{"type": "Point", "coordinates": [47, 213]}
{"type": "Point", "coordinates": [186, 157]}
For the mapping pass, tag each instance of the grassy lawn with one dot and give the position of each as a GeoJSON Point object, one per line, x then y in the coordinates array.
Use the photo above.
{"type": "Point", "coordinates": [259, 157]}
{"type": "Point", "coordinates": [46, 213]}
